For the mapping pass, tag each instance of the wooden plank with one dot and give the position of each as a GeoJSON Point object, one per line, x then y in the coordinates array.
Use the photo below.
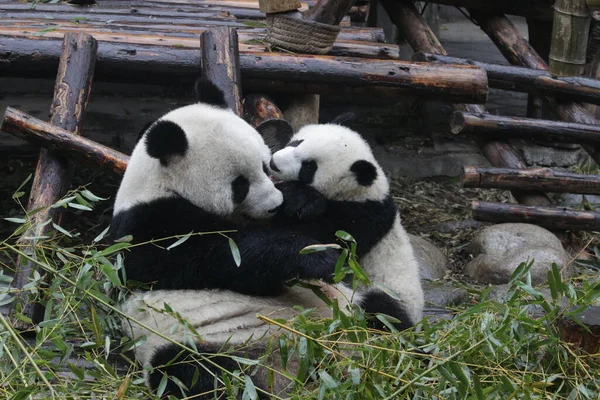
{"type": "Point", "coordinates": [53, 173]}
{"type": "Point", "coordinates": [531, 180]}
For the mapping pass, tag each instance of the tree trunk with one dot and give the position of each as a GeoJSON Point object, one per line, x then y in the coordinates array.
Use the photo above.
{"type": "Point", "coordinates": [53, 173]}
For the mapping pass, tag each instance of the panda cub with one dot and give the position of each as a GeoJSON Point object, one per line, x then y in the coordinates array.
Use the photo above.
{"type": "Point", "coordinates": [331, 181]}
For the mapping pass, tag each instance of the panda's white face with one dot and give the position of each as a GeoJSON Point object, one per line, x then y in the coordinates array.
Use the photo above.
{"type": "Point", "coordinates": [334, 160]}
{"type": "Point", "coordinates": [207, 155]}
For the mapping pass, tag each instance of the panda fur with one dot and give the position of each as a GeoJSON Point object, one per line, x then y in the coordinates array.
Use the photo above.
{"type": "Point", "coordinates": [200, 168]}
{"type": "Point", "coordinates": [331, 181]}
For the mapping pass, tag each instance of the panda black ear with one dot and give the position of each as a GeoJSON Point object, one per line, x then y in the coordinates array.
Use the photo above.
{"type": "Point", "coordinates": [208, 93]}
{"type": "Point", "coordinates": [344, 119]}
{"type": "Point", "coordinates": [164, 140]}
{"type": "Point", "coordinates": [276, 133]}
{"type": "Point", "coordinates": [365, 172]}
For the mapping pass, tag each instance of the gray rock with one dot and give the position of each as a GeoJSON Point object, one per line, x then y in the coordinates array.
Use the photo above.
{"type": "Point", "coordinates": [443, 295]}
{"type": "Point", "coordinates": [547, 156]}
{"type": "Point", "coordinates": [499, 293]}
{"type": "Point", "coordinates": [432, 262]}
{"type": "Point", "coordinates": [499, 250]}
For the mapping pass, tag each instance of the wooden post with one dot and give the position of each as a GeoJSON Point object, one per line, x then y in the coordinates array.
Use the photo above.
{"type": "Point", "coordinates": [495, 126]}
{"type": "Point", "coordinates": [518, 52]}
{"type": "Point", "coordinates": [221, 63]}
{"type": "Point", "coordinates": [61, 142]}
{"type": "Point", "coordinates": [53, 173]}
{"type": "Point", "coordinates": [559, 219]}
{"type": "Point", "coordinates": [519, 79]}
{"type": "Point", "coordinates": [328, 12]}
{"type": "Point", "coordinates": [569, 37]}
{"type": "Point", "coordinates": [421, 38]}
{"type": "Point", "coordinates": [540, 33]}
{"type": "Point", "coordinates": [531, 180]}
{"type": "Point", "coordinates": [276, 6]}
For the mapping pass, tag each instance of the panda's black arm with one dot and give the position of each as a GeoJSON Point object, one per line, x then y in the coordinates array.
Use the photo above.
{"type": "Point", "coordinates": [301, 202]}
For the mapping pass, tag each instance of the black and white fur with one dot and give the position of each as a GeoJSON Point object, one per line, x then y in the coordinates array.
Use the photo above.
{"type": "Point", "coordinates": [201, 168]}
{"type": "Point", "coordinates": [331, 181]}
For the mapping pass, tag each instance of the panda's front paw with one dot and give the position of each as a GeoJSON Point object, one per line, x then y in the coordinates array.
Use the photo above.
{"type": "Point", "coordinates": [301, 201]}
{"type": "Point", "coordinates": [319, 265]}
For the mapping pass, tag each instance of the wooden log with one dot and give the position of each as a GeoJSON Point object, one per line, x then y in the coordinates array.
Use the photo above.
{"type": "Point", "coordinates": [540, 9]}
{"type": "Point", "coordinates": [582, 329]}
{"type": "Point", "coordinates": [22, 58]}
{"type": "Point", "coordinates": [421, 38]}
{"type": "Point", "coordinates": [328, 12]}
{"type": "Point", "coordinates": [547, 217]}
{"type": "Point", "coordinates": [518, 52]}
{"type": "Point", "coordinates": [496, 126]}
{"type": "Point", "coordinates": [520, 79]}
{"type": "Point", "coordinates": [531, 180]}
{"type": "Point", "coordinates": [275, 6]}
{"type": "Point", "coordinates": [262, 113]}
{"type": "Point", "coordinates": [61, 141]}
{"type": "Point", "coordinates": [53, 173]}
{"type": "Point", "coordinates": [539, 32]}
{"type": "Point", "coordinates": [220, 64]}
{"type": "Point", "coordinates": [569, 37]}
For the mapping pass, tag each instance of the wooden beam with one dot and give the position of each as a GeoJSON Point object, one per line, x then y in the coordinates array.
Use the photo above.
{"type": "Point", "coordinates": [221, 64]}
{"type": "Point", "coordinates": [547, 217]}
{"type": "Point", "coordinates": [328, 12]}
{"type": "Point", "coordinates": [531, 180]}
{"type": "Point", "coordinates": [520, 79]}
{"type": "Point", "coordinates": [308, 73]}
{"type": "Point", "coordinates": [496, 126]}
{"type": "Point", "coordinates": [62, 142]}
{"type": "Point", "coordinates": [53, 173]}
{"type": "Point", "coordinates": [540, 9]}
{"type": "Point", "coordinates": [421, 38]}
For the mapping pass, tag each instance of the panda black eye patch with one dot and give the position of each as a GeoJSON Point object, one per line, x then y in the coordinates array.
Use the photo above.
{"type": "Point", "coordinates": [240, 188]}
{"type": "Point", "coordinates": [307, 171]}
{"type": "Point", "coordinates": [295, 143]}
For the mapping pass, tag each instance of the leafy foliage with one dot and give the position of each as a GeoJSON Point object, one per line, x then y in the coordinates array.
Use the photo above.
{"type": "Point", "coordinates": [488, 350]}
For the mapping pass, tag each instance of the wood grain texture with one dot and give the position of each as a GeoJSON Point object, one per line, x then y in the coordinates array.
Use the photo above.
{"type": "Point", "coordinates": [531, 180]}
{"type": "Point", "coordinates": [328, 12]}
{"type": "Point", "coordinates": [547, 217]}
{"type": "Point", "coordinates": [53, 172]}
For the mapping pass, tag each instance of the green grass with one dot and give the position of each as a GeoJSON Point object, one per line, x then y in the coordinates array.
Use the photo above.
{"type": "Point", "coordinates": [488, 350]}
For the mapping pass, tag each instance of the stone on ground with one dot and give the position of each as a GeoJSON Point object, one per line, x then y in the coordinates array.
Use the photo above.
{"type": "Point", "coordinates": [499, 249]}
{"type": "Point", "coordinates": [432, 262]}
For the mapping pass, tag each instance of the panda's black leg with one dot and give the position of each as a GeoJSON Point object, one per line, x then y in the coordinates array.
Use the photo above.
{"type": "Point", "coordinates": [198, 376]}
{"type": "Point", "coordinates": [378, 302]}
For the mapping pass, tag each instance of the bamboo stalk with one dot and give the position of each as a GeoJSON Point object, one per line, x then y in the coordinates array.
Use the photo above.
{"type": "Point", "coordinates": [61, 141]}
{"type": "Point", "coordinates": [421, 38]}
{"type": "Point", "coordinates": [530, 180]}
{"type": "Point", "coordinates": [53, 174]}
{"type": "Point", "coordinates": [520, 79]}
{"type": "Point", "coordinates": [495, 126]}
{"type": "Point", "coordinates": [569, 37]}
{"type": "Point", "coordinates": [547, 217]}
{"type": "Point", "coordinates": [320, 74]}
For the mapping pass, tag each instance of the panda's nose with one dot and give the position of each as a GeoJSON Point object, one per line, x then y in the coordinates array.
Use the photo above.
{"type": "Point", "coordinates": [273, 166]}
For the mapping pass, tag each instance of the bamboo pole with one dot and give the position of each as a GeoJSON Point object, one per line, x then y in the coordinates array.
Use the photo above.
{"type": "Point", "coordinates": [53, 173]}
{"type": "Point", "coordinates": [62, 142]}
{"type": "Point", "coordinates": [520, 79]}
{"type": "Point", "coordinates": [530, 180]}
{"type": "Point", "coordinates": [569, 37]}
{"type": "Point", "coordinates": [262, 71]}
{"type": "Point", "coordinates": [495, 126]}
{"type": "Point", "coordinates": [421, 38]}
{"type": "Point", "coordinates": [518, 52]}
{"type": "Point", "coordinates": [547, 217]}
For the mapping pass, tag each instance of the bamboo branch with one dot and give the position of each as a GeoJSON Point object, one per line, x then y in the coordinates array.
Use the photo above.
{"type": "Point", "coordinates": [495, 126]}
{"type": "Point", "coordinates": [61, 141]}
{"type": "Point", "coordinates": [547, 217]}
{"type": "Point", "coordinates": [529, 180]}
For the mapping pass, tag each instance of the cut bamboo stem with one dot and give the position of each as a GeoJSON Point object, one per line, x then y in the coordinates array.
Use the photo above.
{"type": "Point", "coordinates": [221, 64]}
{"type": "Point", "coordinates": [495, 126]}
{"type": "Point", "coordinates": [520, 79]}
{"type": "Point", "coordinates": [262, 113]}
{"type": "Point", "coordinates": [547, 217]}
{"type": "Point", "coordinates": [62, 142]}
{"type": "Point", "coordinates": [262, 71]}
{"type": "Point", "coordinates": [53, 173]}
{"type": "Point", "coordinates": [421, 38]}
{"type": "Point", "coordinates": [569, 37]}
{"type": "Point", "coordinates": [530, 180]}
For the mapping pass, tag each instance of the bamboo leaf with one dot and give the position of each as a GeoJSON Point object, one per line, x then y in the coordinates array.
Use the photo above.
{"type": "Point", "coordinates": [180, 241]}
{"type": "Point", "coordinates": [313, 248]}
{"type": "Point", "coordinates": [249, 389]}
{"type": "Point", "coordinates": [235, 252]}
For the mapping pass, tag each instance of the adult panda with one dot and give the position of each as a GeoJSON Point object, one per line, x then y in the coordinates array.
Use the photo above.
{"type": "Point", "coordinates": [331, 181]}
{"type": "Point", "coordinates": [200, 168]}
